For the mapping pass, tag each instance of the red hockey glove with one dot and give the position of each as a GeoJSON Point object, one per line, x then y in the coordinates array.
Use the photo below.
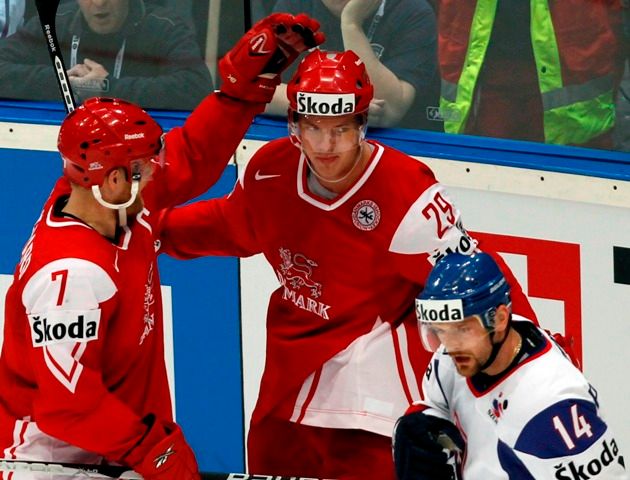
{"type": "Point", "coordinates": [163, 454]}
{"type": "Point", "coordinates": [251, 70]}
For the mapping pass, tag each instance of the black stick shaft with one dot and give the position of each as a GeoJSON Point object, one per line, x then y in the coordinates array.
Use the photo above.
{"type": "Point", "coordinates": [47, 10]}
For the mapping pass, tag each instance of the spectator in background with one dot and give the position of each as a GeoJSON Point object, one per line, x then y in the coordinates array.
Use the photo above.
{"type": "Point", "coordinates": [396, 39]}
{"type": "Point", "coordinates": [11, 16]}
{"type": "Point", "coordinates": [536, 70]}
{"type": "Point", "coordinates": [123, 48]}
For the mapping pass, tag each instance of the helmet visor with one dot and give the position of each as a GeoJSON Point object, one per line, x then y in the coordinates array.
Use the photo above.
{"type": "Point", "coordinates": [461, 336]}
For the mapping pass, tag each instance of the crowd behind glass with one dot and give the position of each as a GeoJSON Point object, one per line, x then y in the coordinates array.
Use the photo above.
{"type": "Point", "coordinates": [542, 71]}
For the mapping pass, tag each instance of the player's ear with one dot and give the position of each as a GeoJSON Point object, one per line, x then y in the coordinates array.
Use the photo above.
{"type": "Point", "coordinates": [501, 318]}
{"type": "Point", "coordinates": [113, 182]}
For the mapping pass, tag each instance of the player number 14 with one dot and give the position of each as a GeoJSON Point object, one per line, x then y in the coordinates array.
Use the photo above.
{"type": "Point", "coordinates": [580, 427]}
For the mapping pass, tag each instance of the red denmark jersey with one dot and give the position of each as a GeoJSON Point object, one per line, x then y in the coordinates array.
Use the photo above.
{"type": "Point", "coordinates": [343, 348]}
{"type": "Point", "coordinates": [83, 356]}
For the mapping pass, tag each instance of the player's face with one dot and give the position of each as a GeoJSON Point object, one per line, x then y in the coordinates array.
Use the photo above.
{"type": "Point", "coordinates": [332, 144]}
{"type": "Point", "coordinates": [466, 342]}
{"type": "Point", "coordinates": [104, 16]}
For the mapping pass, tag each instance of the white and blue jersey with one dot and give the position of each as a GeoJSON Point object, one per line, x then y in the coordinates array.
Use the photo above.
{"type": "Point", "coordinates": [541, 419]}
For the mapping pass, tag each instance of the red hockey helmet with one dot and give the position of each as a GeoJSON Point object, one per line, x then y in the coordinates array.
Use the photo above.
{"type": "Point", "coordinates": [330, 83]}
{"type": "Point", "coordinates": [103, 134]}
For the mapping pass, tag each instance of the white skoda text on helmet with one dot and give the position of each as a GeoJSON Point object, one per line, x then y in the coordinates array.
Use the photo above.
{"type": "Point", "coordinates": [326, 104]}
{"type": "Point", "coordinates": [439, 310]}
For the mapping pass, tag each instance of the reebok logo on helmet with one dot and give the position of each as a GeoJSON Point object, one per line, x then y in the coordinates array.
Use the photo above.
{"type": "Point", "coordinates": [439, 310]}
{"type": "Point", "coordinates": [134, 136]}
{"type": "Point", "coordinates": [327, 104]}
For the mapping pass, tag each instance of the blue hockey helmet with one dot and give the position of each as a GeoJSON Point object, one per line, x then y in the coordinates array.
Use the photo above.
{"type": "Point", "coordinates": [461, 286]}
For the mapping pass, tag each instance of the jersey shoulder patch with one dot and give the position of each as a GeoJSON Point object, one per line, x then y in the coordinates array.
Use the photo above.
{"type": "Point", "coordinates": [62, 301]}
{"type": "Point", "coordinates": [569, 427]}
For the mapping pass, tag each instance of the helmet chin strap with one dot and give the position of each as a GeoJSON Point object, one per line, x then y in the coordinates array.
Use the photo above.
{"type": "Point", "coordinates": [121, 207]}
{"type": "Point", "coordinates": [496, 347]}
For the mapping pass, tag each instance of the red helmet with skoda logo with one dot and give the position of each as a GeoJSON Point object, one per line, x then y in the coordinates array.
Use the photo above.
{"type": "Point", "coordinates": [103, 134]}
{"type": "Point", "coordinates": [330, 84]}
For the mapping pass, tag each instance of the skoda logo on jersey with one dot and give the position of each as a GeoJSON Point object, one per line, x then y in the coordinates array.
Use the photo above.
{"type": "Point", "coordinates": [592, 468]}
{"type": "Point", "coordinates": [439, 310]}
{"type": "Point", "coordinates": [63, 327]}
{"type": "Point", "coordinates": [366, 215]}
{"type": "Point", "coordinates": [327, 104]}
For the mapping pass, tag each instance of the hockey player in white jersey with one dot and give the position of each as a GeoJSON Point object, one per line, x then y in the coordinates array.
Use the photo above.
{"type": "Point", "coordinates": [501, 398]}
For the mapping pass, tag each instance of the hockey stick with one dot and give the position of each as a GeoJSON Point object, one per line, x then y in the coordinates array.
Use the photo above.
{"type": "Point", "coordinates": [47, 10]}
{"type": "Point", "coordinates": [112, 471]}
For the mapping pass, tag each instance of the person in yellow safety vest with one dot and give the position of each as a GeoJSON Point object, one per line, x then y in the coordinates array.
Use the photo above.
{"type": "Point", "coordinates": [541, 70]}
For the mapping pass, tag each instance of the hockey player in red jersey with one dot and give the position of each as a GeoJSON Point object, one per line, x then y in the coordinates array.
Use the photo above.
{"type": "Point", "coordinates": [82, 364]}
{"type": "Point", "coordinates": [351, 228]}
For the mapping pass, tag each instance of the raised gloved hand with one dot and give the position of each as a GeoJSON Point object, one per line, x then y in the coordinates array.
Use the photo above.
{"type": "Point", "coordinates": [163, 453]}
{"type": "Point", "coordinates": [419, 445]}
{"type": "Point", "coordinates": [251, 70]}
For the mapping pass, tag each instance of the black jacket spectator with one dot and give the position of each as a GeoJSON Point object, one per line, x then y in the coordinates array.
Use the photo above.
{"type": "Point", "coordinates": [152, 60]}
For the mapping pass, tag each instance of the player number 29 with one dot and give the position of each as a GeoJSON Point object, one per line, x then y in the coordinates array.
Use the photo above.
{"type": "Point", "coordinates": [442, 211]}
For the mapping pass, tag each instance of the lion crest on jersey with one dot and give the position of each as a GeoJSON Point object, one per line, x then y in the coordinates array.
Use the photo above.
{"type": "Point", "coordinates": [294, 273]}
{"type": "Point", "coordinates": [297, 270]}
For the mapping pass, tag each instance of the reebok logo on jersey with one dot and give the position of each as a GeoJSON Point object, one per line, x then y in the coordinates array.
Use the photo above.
{"type": "Point", "coordinates": [326, 104]}
{"type": "Point", "coordinates": [439, 310]}
{"type": "Point", "coordinates": [592, 468]}
{"type": "Point", "coordinates": [162, 458]}
{"type": "Point", "coordinates": [64, 326]}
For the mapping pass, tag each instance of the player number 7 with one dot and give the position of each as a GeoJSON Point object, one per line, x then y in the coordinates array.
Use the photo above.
{"type": "Point", "coordinates": [62, 288]}
{"type": "Point", "coordinates": [580, 427]}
